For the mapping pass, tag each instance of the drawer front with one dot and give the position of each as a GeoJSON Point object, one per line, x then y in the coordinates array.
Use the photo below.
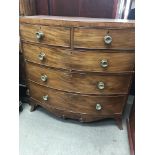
{"type": "Point", "coordinates": [88, 104]}
{"type": "Point", "coordinates": [58, 36]}
{"type": "Point", "coordinates": [53, 57]}
{"type": "Point", "coordinates": [104, 39]}
{"type": "Point", "coordinates": [84, 83]}
{"type": "Point", "coordinates": [91, 61]}
{"type": "Point", "coordinates": [97, 61]}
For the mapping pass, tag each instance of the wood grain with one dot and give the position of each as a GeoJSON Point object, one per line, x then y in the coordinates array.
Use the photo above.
{"type": "Point", "coordinates": [58, 36]}
{"type": "Point", "coordinates": [94, 38]}
{"type": "Point", "coordinates": [84, 83]}
{"type": "Point", "coordinates": [80, 60]}
{"type": "Point", "coordinates": [27, 7]}
{"type": "Point", "coordinates": [82, 117]}
{"type": "Point", "coordinates": [78, 21]}
{"type": "Point", "coordinates": [77, 103]}
{"type": "Point", "coordinates": [74, 49]}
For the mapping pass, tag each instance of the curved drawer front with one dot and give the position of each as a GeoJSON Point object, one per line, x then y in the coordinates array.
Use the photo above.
{"type": "Point", "coordinates": [88, 104]}
{"type": "Point", "coordinates": [92, 38]}
{"type": "Point", "coordinates": [57, 36]}
{"type": "Point", "coordinates": [90, 61]}
{"type": "Point", "coordinates": [53, 57]}
{"type": "Point", "coordinates": [85, 83]}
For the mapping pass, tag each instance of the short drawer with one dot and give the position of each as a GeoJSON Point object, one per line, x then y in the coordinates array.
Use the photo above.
{"type": "Point", "coordinates": [103, 61]}
{"type": "Point", "coordinates": [57, 36]}
{"type": "Point", "coordinates": [90, 61]}
{"type": "Point", "coordinates": [84, 83]}
{"type": "Point", "coordinates": [53, 57]}
{"type": "Point", "coordinates": [86, 104]}
{"type": "Point", "coordinates": [92, 38]}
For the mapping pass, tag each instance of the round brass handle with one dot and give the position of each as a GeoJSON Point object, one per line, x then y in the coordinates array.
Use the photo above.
{"type": "Point", "coordinates": [45, 98]}
{"type": "Point", "coordinates": [41, 56]}
{"type": "Point", "coordinates": [43, 78]}
{"type": "Point", "coordinates": [104, 63]}
{"type": "Point", "coordinates": [39, 35]}
{"type": "Point", "coordinates": [108, 39]}
{"type": "Point", "coordinates": [100, 85]}
{"type": "Point", "coordinates": [98, 107]}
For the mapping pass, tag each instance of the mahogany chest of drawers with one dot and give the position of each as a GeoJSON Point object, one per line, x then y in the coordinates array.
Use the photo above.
{"type": "Point", "coordinates": [79, 68]}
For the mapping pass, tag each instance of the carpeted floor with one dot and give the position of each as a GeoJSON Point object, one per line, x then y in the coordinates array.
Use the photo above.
{"type": "Point", "coordinates": [44, 134]}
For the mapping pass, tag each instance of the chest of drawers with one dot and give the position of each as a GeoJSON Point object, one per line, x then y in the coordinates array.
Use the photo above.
{"type": "Point", "coordinates": [79, 68]}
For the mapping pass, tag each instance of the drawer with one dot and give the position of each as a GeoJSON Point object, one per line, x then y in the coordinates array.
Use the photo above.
{"type": "Point", "coordinates": [58, 36]}
{"type": "Point", "coordinates": [85, 83]}
{"type": "Point", "coordinates": [53, 57]}
{"type": "Point", "coordinates": [91, 61]}
{"type": "Point", "coordinates": [101, 61]}
{"type": "Point", "coordinates": [88, 104]}
{"type": "Point", "coordinates": [92, 38]}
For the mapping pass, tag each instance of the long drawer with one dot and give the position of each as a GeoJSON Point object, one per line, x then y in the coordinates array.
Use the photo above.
{"type": "Point", "coordinates": [57, 36]}
{"type": "Point", "coordinates": [91, 61]}
{"type": "Point", "coordinates": [92, 38]}
{"type": "Point", "coordinates": [86, 104]}
{"type": "Point", "coordinates": [85, 83]}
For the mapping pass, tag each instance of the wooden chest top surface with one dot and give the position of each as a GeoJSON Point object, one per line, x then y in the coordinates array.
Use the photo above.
{"type": "Point", "coordinates": [77, 21]}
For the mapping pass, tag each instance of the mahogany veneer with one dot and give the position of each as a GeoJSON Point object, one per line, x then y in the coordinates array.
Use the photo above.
{"type": "Point", "coordinates": [79, 60]}
{"type": "Point", "coordinates": [85, 83]}
{"type": "Point", "coordinates": [79, 68]}
{"type": "Point", "coordinates": [92, 38]}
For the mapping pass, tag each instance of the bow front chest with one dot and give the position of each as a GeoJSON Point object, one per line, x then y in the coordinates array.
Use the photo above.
{"type": "Point", "coordinates": [79, 68]}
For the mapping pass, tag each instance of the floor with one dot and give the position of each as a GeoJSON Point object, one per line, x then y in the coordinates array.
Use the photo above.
{"type": "Point", "coordinates": [44, 134]}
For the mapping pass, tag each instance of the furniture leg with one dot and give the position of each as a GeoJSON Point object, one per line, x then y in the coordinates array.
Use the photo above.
{"type": "Point", "coordinates": [33, 107]}
{"type": "Point", "coordinates": [119, 122]}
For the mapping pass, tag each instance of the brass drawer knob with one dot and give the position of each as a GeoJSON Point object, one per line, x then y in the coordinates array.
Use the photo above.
{"type": "Point", "coordinates": [45, 98]}
{"type": "Point", "coordinates": [43, 78]}
{"type": "Point", "coordinates": [100, 85]}
{"type": "Point", "coordinates": [104, 63]}
{"type": "Point", "coordinates": [39, 35]}
{"type": "Point", "coordinates": [98, 107]}
{"type": "Point", "coordinates": [41, 56]}
{"type": "Point", "coordinates": [107, 39]}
